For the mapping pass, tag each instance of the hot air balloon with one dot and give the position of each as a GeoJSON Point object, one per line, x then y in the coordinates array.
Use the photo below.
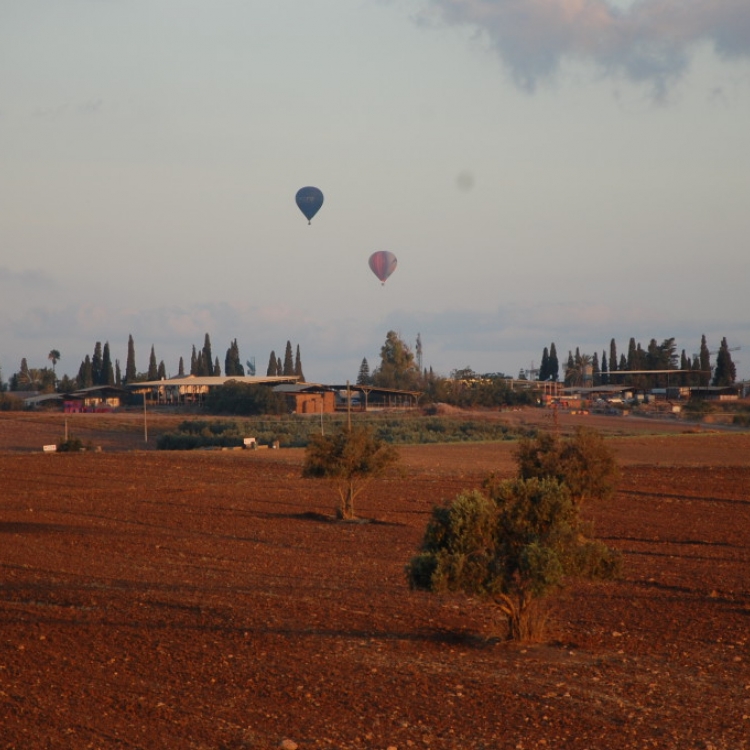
{"type": "Point", "coordinates": [383, 264]}
{"type": "Point", "coordinates": [309, 200]}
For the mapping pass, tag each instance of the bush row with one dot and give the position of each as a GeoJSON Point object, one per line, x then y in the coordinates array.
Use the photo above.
{"type": "Point", "coordinates": [295, 432]}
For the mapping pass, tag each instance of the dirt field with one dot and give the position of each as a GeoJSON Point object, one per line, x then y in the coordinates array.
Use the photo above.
{"type": "Point", "coordinates": [206, 600]}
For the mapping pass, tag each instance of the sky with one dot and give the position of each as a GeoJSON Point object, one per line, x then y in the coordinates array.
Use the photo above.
{"type": "Point", "coordinates": [566, 171]}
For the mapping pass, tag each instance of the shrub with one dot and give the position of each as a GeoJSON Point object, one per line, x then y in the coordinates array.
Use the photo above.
{"type": "Point", "coordinates": [584, 462]}
{"type": "Point", "coordinates": [520, 539]}
{"type": "Point", "coordinates": [71, 445]}
{"type": "Point", "coordinates": [512, 547]}
{"type": "Point", "coordinates": [351, 458]}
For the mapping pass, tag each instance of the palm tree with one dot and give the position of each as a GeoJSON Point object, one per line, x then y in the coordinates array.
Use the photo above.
{"type": "Point", "coordinates": [54, 357]}
{"type": "Point", "coordinates": [581, 371]}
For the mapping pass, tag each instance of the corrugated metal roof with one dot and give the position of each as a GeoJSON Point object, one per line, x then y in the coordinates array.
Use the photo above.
{"type": "Point", "coordinates": [214, 380]}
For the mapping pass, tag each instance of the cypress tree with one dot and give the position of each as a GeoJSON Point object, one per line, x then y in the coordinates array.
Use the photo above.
{"type": "Point", "coordinates": [605, 372]}
{"type": "Point", "coordinates": [279, 366]}
{"type": "Point", "coordinates": [118, 374]}
{"type": "Point", "coordinates": [217, 368]}
{"type": "Point", "coordinates": [96, 365]}
{"type": "Point", "coordinates": [200, 365]}
{"type": "Point", "coordinates": [705, 362]}
{"type": "Point", "coordinates": [85, 377]}
{"type": "Point", "coordinates": [271, 371]}
{"type": "Point", "coordinates": [153, 369]}
{"type": "Point", "coordinates": [232, 364]}
{"type": "Point", "coordinates": [684, 365]}
{"type": "Point", "coordinates": [298, 366]}
{"type": "Point", "coordinates": [612, 356]}
{"type": "Point", "coordinates": [695, 374]}
{"type": "Point", "coordinates": [640, 364]}
{"type": "Point", "coordinates": [632, 355]}
{"type": "Point", "coordinates": [208, 359]}
{"type": "Point", "coordinates": [161, 372]}
{"type": "Point", "coordinates": [194, 362]}
{"type": "Point", "coordinates": [288, 360]}
{"type": "Point", "coordinates": [725, 372]}
{"type": "Point", "coordinates": [130, 372]}
{"type": "Point", "coordinates": [544, 366]}
{"type": "Point", "coordinates": [181, 369]}
{"type": "Point", "coordinates": [108, 375]}
{"type": "Point", "coordinates": [554, 364]}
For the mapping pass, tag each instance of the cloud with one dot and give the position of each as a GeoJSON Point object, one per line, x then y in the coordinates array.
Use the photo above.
{"type": "Point", "coordinates": [650, 41]}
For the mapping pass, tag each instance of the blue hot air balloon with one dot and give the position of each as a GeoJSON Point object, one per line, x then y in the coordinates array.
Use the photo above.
{"type": "Point", "coordinates": [383, 264]}
{"type": "Point", "coordinates": [309, 200]}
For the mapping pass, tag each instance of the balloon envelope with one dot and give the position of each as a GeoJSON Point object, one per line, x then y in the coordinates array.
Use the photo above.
{"type": "Point", "coordinates": [309, 200]}
{"type": "Point", "coordinates": [383, 264]}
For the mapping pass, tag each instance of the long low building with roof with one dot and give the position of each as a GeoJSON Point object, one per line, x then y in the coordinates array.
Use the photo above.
{"type": "Point", "coordinates": [191, 389]}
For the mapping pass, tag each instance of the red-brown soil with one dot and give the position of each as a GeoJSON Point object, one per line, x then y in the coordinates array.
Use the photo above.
{"type": "Point", "coordinates": [207, 600]}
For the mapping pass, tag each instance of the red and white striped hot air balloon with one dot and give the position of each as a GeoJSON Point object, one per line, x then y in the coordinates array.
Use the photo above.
{"type": "Point", "coordinates": [383, 264]}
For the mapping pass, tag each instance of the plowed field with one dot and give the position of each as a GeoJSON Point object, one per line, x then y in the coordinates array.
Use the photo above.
{"type": "Point", "coordinates": [208, 600]}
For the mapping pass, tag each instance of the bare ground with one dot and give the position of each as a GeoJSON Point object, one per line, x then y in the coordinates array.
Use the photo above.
{"type": "Point", "coordinates": [207, 600]}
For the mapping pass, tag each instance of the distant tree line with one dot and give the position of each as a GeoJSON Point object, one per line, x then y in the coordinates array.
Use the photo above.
{"type": "Point", "coordinates": [400, 368]}
{"type": "Point", "coordinates": [631, 369]}
{"type": "Point", "coordinates": [100, 369]}
{"type": "Point", "coordinates": [291, 366]}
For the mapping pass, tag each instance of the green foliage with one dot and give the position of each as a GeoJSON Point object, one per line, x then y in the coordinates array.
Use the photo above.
{"type": "Point", "coordinates": [397, 366]}
{"type": "Point", "coordinates": [153, 367]}
{"type": "Point", "coordinates": [726, 371]}
{"type": "Point", "coordinates": [245, 399]}
{"type": "Point", "coordinates": [232, 364]}
{"type": "Point", "coordinates": [130, 368]}
{"type": "Point", "coordinates": [519, 540]}
{"type": "Point", "coordinates": [351, 458]}
{"type": "Point", "coordinates": [9, 403]}
{"type": "Point", "coordinates": [71, 445]}
{"type": "Point", "coordinates": [584, 462]}
{"type": "Point", "coordinates": [513, 546]}
{"type": "Point", "coordinates": [272, 369]}
{"type": "Point", "coordinates": [183, 442]}
{"type": "Point", "coordinates": [295, 431]}
{"type": "Point", "coordinates": [288, 367]}
{"type": "Point", "coordinates": [193, 434]}
{"type": "Point", "coordinates": [363, 377]}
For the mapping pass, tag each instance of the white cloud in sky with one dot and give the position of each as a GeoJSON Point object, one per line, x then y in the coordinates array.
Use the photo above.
{"type": "Point", "coordinates": [648, 41]}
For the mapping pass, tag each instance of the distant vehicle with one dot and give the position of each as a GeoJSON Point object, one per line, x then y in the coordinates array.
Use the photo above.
{"type": "Point", "coordinates": [309, 200]}
{"type": "Point", "coordinates": [383, 264]}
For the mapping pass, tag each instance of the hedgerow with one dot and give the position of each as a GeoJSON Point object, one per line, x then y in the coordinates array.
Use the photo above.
{"type": "Point", "coordinates": [295, 431]}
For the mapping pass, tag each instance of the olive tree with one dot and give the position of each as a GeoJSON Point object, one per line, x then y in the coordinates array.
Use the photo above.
{"type": "Point", "coordinates": [518, 540]}
{"type": "Point", "coordinates": [584, 462]}
{"type": "Point", "coordinates": [512, 546]}
{"type": "Point", "coordinates": [350, 458]}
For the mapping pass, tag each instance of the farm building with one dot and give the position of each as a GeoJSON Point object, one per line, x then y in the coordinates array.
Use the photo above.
{"type": "Point", "coordinates": [191, 389]}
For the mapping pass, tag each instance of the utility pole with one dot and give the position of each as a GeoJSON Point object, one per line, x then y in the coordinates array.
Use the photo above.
{"type": "Point", "coordinates": [348, 408]}
{"type": "Point", "coordinates": [145, 420]}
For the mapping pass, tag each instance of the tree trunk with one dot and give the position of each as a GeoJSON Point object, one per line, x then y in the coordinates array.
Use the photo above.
{"type": "Point", "coordinates": [526, 618]}
{"type": "Point", "coordinates": [347, 503]}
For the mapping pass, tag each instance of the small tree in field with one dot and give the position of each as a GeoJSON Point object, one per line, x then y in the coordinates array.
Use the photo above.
{"type": "Point", "coordinates": [513, 547]}
{"type": "Point", "coordinates": [519, 540]}
{"type": "Point", "coordinates": [584, 462]}
{"type": "Point", "coordinates": [351, 458]}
